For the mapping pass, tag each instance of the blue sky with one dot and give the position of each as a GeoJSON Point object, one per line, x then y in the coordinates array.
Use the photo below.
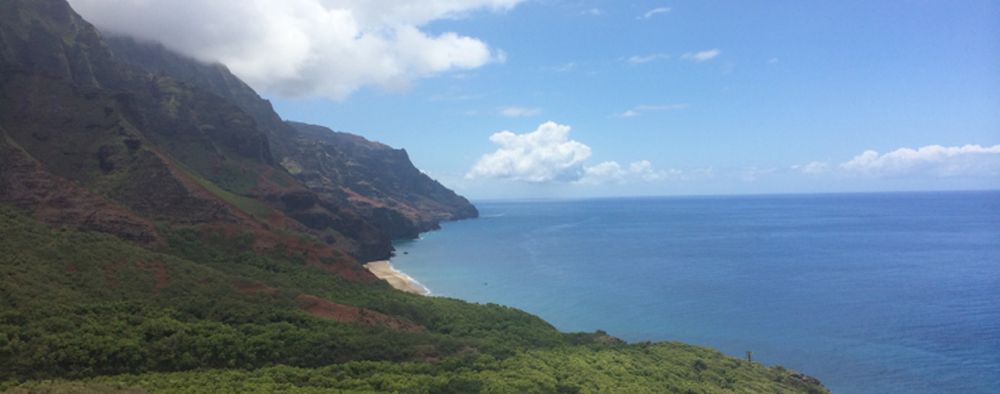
{"type": "Point", "coordinates": [704, 97]}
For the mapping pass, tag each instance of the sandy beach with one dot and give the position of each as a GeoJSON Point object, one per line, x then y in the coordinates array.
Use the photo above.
{"type": "Point", "coordinates": [385, 271]}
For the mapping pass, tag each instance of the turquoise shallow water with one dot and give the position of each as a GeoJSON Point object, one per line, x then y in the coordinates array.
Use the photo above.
{"type": "Point", "coordinates": [871, 293]}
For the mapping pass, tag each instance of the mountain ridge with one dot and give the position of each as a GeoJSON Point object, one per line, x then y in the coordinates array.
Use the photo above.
{"type": "Point", "coordinates": [328, 153]}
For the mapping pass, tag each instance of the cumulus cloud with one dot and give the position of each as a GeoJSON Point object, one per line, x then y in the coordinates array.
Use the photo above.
{"type": "Point", "coordinates": [934, 160]}
{"type": "Point", "coordinates": [639, 110]}
{"type": "Point", "coordinates": [654, 12]}
{"type": "Point", "coordinates": [542, 155]}
{"type": "Point", "coordinates": [303, 48]}
{"type": "Point", "coordinates": [701, 56]}
{"type": "Point", "coordinates": [548, 154]}
{"type": "Point", "coordinates": [519, 112]}
{"type": "Point", "coordinates": [637, 59]}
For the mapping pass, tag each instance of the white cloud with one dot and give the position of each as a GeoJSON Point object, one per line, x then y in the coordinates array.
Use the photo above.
{"type": "Point", "coordinates": [519, 112]}
{"type": "Point", "coordinates": [542, 155]}
{"type": "Point", "coordinates": [637, 59]}
{"type": "Point", "coordinates": [812, 168]}
{"type": "Point", "coordinates": [655, 11]}
{"type": "Point", "coordinates": [593, 12]}
{"type": "Point", "coordinates": [565, 67]}
{"type": "Point", "coordinates": [612, 172]}
{"type": "Point", "coordinates": [752, 174]}
{"type": "Point", "coordinates": [934, 160]}
{"type": "Point", "coordinates": [772, 60]}
{"type": "Point", "coordinates": [639, 110]}
{"type": "Point", "coordinates": [702, 56]}
{"type": "Point", "coordinates": [303, 48]}
{"type": "Point", "coordinates": [549, 155]}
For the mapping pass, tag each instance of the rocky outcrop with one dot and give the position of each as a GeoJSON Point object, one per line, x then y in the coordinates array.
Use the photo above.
{"type": "Point", "coordinates": [213, 78]}
{"type": "Point", "coordinates": [24, 183]}
{"type": "Point", "coordinates": [373, 177]}
{"type": "Point", "coordinates": [160, 137]}
{"type": "Point", "coordinates": [353, 186]}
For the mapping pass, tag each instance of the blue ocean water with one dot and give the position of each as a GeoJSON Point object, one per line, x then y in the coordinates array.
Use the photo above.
{"type": "Point", "coordinates": [871, 293]}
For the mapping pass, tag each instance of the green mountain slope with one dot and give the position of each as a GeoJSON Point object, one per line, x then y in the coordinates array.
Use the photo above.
{"type": "Point", "coordinates": [110, 314]}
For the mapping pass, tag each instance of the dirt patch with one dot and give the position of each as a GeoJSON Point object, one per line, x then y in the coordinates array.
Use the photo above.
{"type": "Point", "coordinates": [355, 197]}
{"type": "Point", "coordinates": [254, 288]}
{"type": "Point", "coordinates": [315, 254]}
{"type": "Point", "coordinates": [26, 184]}
{"type": "Point", "coordinates": [345, 313]}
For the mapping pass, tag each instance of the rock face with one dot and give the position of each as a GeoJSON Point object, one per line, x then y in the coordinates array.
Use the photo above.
{"type": "Point", "coordinates": [111, 134]}
{"type": "Point", "coordinates": [374, 178]}
{"type": "Point", "coordinates": [358, 185]}
{"type": "Point", "coordinates": [28, 186]}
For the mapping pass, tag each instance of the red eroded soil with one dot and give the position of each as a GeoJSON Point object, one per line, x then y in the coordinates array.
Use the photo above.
{"type": "Point", "coordinates": [330, 310]}
{"type": "Point", "coordinates": [55, 200]}
{"type": "Point", "coordinates": [315, 254]}
{"type": "Point", "coordinates": [254, 288]}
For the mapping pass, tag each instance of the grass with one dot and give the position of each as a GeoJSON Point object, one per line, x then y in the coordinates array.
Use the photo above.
{"type": "Point", "coordinates": [248, 205]}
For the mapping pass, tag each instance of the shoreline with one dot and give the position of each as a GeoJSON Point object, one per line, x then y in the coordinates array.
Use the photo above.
{"type": "Point", "coordinates": [384, 270]}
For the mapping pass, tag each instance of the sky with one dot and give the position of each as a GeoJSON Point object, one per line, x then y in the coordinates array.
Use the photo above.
{"type": "Point", "coordinates": [567, 99]}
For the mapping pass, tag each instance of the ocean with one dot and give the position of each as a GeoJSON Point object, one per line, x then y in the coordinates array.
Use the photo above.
{"type": "Point", "coordinates": [870, 293]}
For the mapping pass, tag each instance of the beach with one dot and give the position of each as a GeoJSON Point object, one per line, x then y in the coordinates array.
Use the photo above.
{"type": "Point", "coordinates": [385, 271]}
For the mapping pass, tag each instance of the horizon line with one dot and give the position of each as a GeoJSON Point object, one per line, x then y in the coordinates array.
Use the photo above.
{"type": "Point", "coordinates": [721, 195]}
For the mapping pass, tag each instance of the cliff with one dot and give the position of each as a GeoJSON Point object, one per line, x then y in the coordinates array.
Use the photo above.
{"type": "Point", "coordinates": [145, 128]}
{"type": "Point", "coordinates": [344, 171]}
{"type": "Point", "coordinates": [374, 178]}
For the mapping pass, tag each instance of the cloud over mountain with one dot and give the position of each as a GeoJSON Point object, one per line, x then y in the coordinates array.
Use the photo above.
{"type": "Point", "coordinates": [307, 48]}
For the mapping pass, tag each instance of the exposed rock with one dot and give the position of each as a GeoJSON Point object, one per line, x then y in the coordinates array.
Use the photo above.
{"type": "Point", "coordinates": [170, 139]}
{"type": "Point", "coordinates": [375, 179]}
{"type": "Point", "coordinates": [367, 189]}
{"type": "Point", "coordinates": [25, 184]}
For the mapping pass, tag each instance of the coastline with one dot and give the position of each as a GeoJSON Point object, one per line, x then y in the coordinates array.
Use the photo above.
{"type": "Point", "coordinates": [384, 270]}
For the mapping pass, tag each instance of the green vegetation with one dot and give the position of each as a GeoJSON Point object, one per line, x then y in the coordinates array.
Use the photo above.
{"type": "Point", "coordinates": [642, 368]}
{"type": "Point", "coordinates": [109, 315]}
{"type": "Point", "coordinates": [255, 208]}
